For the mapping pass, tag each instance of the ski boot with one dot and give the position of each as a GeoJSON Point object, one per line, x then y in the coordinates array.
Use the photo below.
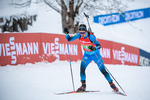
{"type": "Point", "coordinates": [82, 88]}
{"type": "Point", "coordinates": [112, 85]}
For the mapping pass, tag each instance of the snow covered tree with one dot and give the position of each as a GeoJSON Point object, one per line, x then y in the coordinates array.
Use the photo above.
{"type": "Point", "coordinates": [15, 20]}
{"type": "Point", "coordinates": [72, 10]}
{"type": "Point", "coordinates": [69, 10]}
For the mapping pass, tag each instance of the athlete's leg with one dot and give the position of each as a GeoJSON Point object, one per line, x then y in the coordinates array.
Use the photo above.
{"type": "Point", "coordinates": [99, 61]}
{"type": "Point", "coordinates": [84, 63]}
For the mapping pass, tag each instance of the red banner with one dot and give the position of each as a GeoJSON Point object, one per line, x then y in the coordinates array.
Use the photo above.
{"type": "Point", "coordinates": [21, 48]}
{"type": "Point", "coordinates": [105, 51]}
{"type": "Point", "coordinates": [56, 44]}
{"type": "Point", "coordinates": [124, 54]}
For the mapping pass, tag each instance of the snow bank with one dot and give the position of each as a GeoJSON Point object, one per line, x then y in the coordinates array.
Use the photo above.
{"type": "Point", "coordinates": [42, 80]}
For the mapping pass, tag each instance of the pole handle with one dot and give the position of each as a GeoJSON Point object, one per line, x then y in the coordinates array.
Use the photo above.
{"type": "Point", "coordinates": [86, 15]}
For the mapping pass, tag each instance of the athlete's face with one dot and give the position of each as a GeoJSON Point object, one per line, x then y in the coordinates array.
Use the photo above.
{"type": "Point", "coordinates": [83, 33]}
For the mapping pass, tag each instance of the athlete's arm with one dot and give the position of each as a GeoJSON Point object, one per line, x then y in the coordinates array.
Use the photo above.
{"type": "Point", "coordinates": [77, 36]}
{"type": "Point", "coordinates": [94, 40]}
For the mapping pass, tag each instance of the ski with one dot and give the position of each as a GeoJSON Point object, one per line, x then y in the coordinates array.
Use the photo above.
{"type": "Point", "coordinates": [120, 93]}
{"type": "Point", "coordinates": [75, 92]}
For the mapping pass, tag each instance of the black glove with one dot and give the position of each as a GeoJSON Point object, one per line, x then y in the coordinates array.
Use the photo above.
{"type": "Point", "coordinates": [92, 48]}
{"type": "Point", "coordinates": [66, 30]}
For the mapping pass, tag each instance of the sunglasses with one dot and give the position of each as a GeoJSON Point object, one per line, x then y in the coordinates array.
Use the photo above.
{"type": "Point", "coordinates": [82, 32]}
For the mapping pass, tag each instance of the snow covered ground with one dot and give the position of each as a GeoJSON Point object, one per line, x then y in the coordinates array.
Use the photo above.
{"type": "Point", "coordinates": [40, 81]}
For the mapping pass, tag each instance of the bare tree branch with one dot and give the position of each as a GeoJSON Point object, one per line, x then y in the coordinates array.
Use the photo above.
{"type": "Point", "coordinates": [58, 2]}
{"type": "Point", "coordinates": [63, 6]}
{"type": "Point", "coordinates": [21, 4]}
{"type": "Point", "coordinates": [50, 4]}
{"type": "Point", "coordinates": [79, 4]}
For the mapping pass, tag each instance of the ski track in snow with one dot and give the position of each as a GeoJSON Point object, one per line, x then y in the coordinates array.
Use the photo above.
{"type": "Point", "coordinates": [41, 80]}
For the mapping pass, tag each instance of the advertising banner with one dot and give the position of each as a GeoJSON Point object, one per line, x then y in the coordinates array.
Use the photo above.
{"type": "Point", "coordinates": [124, 54]}
{"type": "Point", "coordinates": [106, 50]}
{"type": "Point", "coordinates": [117, 53]}
{"type": "Point", "coordinates": [21, 48]}
{"type": "Point", "coordinates": [56, 44]}
{"type": "Point", "coordinates": [115, 18]}
{"type": "Point", "coordinates": [144, 58]}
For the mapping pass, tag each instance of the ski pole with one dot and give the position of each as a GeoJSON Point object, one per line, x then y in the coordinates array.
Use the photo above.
{"type": "Point", "coordinates": [111, 75]}
{"type": "Point", "coordinates": [87, 16]}
{"type": "Point", "coordinates": [70, 66]}
{"type": "Point", "coordinates": [114, 79]}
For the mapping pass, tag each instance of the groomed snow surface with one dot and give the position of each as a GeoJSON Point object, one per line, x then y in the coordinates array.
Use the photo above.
{"type": "Point", "coordinates": [41, 80]}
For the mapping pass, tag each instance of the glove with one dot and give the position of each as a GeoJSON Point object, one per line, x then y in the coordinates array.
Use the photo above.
{"type": "Point", "coordinates": [92, 48]}
{"type": "Point", "coordinates": [66, 30]}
